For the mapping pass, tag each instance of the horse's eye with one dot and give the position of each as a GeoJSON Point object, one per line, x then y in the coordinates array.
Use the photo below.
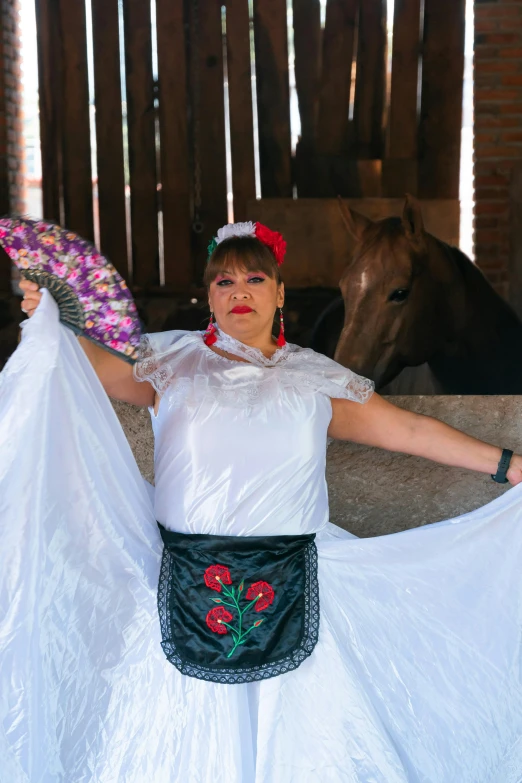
{"type": "Point", "coordinates": [399, 295]}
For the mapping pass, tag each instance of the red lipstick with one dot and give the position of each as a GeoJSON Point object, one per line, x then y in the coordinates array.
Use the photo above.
{"type": "Point", "coordinates": [241, 309]}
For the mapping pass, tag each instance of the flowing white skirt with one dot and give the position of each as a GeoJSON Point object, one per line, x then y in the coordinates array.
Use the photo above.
{"type": "Point", "coordinates": [416, 676]}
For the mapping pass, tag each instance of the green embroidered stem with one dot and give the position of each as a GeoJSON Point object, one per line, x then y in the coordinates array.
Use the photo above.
{"type": "Point", "coordinates": [241, 640]}
{"type": "Point", "coordinates": [238, 635]}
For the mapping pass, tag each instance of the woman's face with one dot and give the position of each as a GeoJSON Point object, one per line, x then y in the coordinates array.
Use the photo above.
{"type": "Point", "coordinates": [244, 303]}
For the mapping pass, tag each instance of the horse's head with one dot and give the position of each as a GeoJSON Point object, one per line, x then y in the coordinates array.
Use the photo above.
{"type": "Point", "coordinates": [397, 291]}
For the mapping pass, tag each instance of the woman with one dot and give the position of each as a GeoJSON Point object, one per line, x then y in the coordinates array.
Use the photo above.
{"type": "Point", "coordinates": [415, 675]}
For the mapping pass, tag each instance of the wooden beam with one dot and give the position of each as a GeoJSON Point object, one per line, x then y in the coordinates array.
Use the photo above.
{"type": "Point", "coordinates": [370, 80]}
{"type": "Point", "coordinates": [208, 112]}
{"type": "Point", "coordinates": [49, 77]}
{"type": "Point", "coordinates": [334, 99]}
{"type": "Point", "coordinates": [441, 104]}
{"type": "Point", "coordinates": [240, 103]}
{"type": "Point", "coordinates": [273, 101]}
{"type": "Point", "coordinates": [175, 176]}
{"type": "Point", "coordinates": [75, 115]}
{"type": "Point", "coordinates": [307, 49]}
{"type": "Point", "coordinates": [400, 166]}
{"type": "Point", "coordinates": [142, 142]}
{"type": "Point", "coordinates": [109, 134]}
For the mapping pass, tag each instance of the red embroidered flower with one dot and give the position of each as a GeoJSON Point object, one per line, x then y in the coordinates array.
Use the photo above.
{"type": "Point", "coordinates": [216, 619]}
{"type": "Point", "coordinates": [273, 240]}
{"type": "Point", "coordinates": [264, 593]}
{"type": "Point", "coordinates": [216, 575]}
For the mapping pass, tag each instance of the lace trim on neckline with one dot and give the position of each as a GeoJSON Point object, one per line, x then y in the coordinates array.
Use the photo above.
{"type": "Point", "coordinates": [191, 378]}
{"type": "Point", "coordinates": [254, 355]}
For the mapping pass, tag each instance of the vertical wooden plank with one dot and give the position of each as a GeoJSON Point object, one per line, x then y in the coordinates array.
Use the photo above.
{"type": "Point", "coordinates": [109, 133]}
{"type": "Point", "coordinates": [334, 99]}
{"type": "Point", "coordinates": [403, 128]}
{"type": "Point", "coordinates": [208, 127]}
{"type": "Point", "coordinates": [273, 101]}
{"type": "Point", "coordinates": [400, 166]}
{"type": "Point", "coordinates": [4, 166]}
{"type": "Point", "coordinates": [49, 79]}
{"type": "Point", "coordinates": [240, 103]}
{"type": "Point", "coordinates": [307, 51]}
{"type": "Point", "coordinates": [370, 80]}
{"type": "Point", "coordinates": [441, 103]}
{"type": "Point", "coordinates": [142, 144]}
{"type": "Point", "coordinates": [307, 48]}
{"type": "Point", "coordinates": [76, 142]}
{"type": "Point", "coordinates": [175, 177]}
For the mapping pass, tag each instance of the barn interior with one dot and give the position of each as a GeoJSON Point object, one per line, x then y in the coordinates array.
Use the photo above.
{"type": "Point", "coordinates": [161, 120]}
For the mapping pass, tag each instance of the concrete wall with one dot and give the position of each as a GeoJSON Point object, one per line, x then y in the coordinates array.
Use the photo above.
{"type": "Point", "coordinates": [373, 492]}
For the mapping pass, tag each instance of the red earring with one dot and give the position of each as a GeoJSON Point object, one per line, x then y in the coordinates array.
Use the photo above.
{"type": "Point", "coordinates": [281, 339]}
{"type": "Point", "coordinates": [209, 338]}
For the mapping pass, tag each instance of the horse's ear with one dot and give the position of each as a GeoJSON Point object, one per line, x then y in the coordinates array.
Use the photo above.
{"type": "Point", "coordinates": [412, 219]}
{"type": "Point", "coordinates": [354, 222]}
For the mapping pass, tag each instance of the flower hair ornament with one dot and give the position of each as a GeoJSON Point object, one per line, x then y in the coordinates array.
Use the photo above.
{"type": "Point", "coordinates": [275, 243]}
{"type": "Point", "coordinates": [272, 239]}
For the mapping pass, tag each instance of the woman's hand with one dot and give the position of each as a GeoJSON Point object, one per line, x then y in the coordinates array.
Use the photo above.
{"type": "Point", "coordinates": [514, 474]}
{"type": "Point", "coordinates": [32, 297]}
{"type": "Point", "coordinates": [115, 374]}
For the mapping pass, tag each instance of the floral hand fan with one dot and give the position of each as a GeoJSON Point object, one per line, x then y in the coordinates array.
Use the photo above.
{"type": "Point", "coordinates": [92, 297]}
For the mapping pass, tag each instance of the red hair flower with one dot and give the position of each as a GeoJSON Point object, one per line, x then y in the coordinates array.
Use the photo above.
{"type": "Point", "coordinates": [272, 239]}
{"type": "Point", "coordinates": [216, 619]}
{"type": "Point", "coordinates": [264, 593]}
{"type": "Point", "coordinates": [217, 575]}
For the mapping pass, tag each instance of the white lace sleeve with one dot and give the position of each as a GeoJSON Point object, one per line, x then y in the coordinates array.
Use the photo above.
{"type": "Point", "coordinates": [321, 374]}
{"type": "Point", "coordinates": [159, 356]}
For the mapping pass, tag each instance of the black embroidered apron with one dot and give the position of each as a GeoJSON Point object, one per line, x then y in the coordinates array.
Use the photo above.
{"type": "Point", "coordinates": [238, 609]}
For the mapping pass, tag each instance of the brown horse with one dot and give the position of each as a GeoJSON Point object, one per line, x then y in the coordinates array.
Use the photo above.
{"type": "Point", "coordinates": [410, 299]}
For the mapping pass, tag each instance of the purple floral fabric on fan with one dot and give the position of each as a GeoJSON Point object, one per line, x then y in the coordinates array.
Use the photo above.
{"type": "Point", "coordinates": [109, 313]}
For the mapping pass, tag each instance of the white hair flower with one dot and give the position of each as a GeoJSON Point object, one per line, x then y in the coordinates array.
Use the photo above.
{"type": "Point", "coordinates": [247, 229]}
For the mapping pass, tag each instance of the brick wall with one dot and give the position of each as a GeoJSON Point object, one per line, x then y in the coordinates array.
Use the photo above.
{"type": "Point", "coordinates": [11, 152]}
{"type": "Point", "coordinates": [498, 133]}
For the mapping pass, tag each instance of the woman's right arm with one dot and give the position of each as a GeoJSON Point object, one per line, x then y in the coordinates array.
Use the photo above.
{"type": "Point", "coordinates": [115, 374]}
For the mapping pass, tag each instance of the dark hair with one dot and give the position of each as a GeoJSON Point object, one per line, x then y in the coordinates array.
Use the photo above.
{"type": "Point", "coordinates": [245, 253]}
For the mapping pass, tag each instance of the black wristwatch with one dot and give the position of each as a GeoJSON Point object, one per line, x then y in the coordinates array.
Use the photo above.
{"type": "Point", "coordinates": [503, 467]}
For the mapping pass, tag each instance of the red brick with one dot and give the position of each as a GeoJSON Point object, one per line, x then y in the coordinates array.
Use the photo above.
{"type": "Point", "coordinates": [515, 52]}
{"type": "Point", "coordinates": [497, 66]}
{"type": "Point", "coordinates": [511, 136]}
{"type": "Point", "coordinates": [491, 181]}
{"type": "Point", "coordinates": [500, 10]}
{"type": "Point", "coordinates": [512, 79]}
{"type": "Point", "coordinates": [497, 121]}
{"type": "Point", "coordinates": [497, 38]}
{"type": "Point", "coordinates": [488, 222]}
{"type": "Point", "coordinates": [498, 95]}
{"type": "Point", "coordinates": [482, 237]}
{"type": "Point", "coordinates": [510, 108]}
{"type": "Point", "coordinates": [496, 194]}
{"type": "Point", "coordinates": [486, 25]}
{"type": "Point", "coordinates": [485, 138]}
{"type": "Point", "coordinates": [491, 80]}
{"type": "Point", "coordinates": [490, 208]}
{"type": "Point", "coordinates": [492, 52]}
{"type": "Point", "coordinates": [499, 152]}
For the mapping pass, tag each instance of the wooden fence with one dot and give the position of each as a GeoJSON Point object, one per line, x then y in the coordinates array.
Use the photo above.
{"type": "Point", "coordinates": [161, 142]}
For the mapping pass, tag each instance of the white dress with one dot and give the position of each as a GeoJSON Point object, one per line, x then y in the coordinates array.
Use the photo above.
{"type": "Point", "coordinates": [416, 677]}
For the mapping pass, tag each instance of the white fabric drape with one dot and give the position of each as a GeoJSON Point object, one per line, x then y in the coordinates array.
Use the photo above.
{"type": "Point", "coordinates": [416, 678]}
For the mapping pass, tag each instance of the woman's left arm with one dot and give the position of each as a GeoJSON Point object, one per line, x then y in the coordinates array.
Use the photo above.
{"type": "Point", "coordinates": [379, 423]}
